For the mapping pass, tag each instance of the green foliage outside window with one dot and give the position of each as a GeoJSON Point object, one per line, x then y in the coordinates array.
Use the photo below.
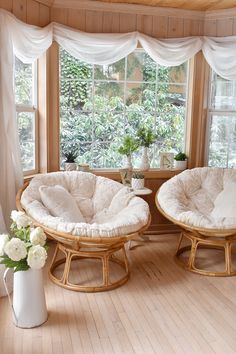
{"type": "Point", "coordinates": [99, 105]}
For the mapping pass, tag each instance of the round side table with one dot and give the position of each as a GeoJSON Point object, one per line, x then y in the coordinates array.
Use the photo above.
{"type": "Point", "coordinates": [143, 191]}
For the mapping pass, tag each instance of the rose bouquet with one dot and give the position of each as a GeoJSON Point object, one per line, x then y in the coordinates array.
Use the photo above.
{"type": "Point", "coordinates": [25, 247]}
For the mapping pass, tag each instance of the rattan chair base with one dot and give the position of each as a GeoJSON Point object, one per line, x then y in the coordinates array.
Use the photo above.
{"type": "Point", "coordinates": [204, 242]}
{"type": "Point", "coordinates": [105, 255]}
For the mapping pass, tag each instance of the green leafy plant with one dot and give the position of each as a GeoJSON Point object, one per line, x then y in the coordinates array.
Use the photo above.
{"type": "Point", "coordinates": [129, 145]}
{"type": "Point", "coordinates": [70, 156]}
{"type": "Point", "coordinates": [145, 136]}
{"type": "Point", "coordinates": [25, 247]}
{"type": "Point", "coordinates": [181, 156]}
{"type": "Point", "coordinates": [138, 175]}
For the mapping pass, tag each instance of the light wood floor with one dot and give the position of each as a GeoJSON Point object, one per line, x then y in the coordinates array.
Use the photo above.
{"type": "Point", "coordinates": [161, 309]}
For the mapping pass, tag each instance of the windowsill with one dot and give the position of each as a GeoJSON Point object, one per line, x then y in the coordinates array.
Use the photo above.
{"type": "Point", "coordinates": [155, 173]}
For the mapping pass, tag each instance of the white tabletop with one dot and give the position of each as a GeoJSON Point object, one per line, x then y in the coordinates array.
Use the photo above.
{"type": "Point", "coordinates": [143, 191]}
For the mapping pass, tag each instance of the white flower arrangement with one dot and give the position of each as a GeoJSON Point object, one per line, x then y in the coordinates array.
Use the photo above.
{"type": "Point", "coordinates": [26, 246]}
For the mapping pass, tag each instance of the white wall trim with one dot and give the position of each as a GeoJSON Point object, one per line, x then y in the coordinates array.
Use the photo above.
{"type": "Point", "coordinates": [220, 14]}
{"type": "Point", "coordinates": [128, 8]}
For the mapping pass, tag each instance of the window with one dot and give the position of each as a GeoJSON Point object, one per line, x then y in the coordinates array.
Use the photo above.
{"type": "Point", "coordinates": [221, 144]}
{"type": "Point", "coordinates": [26, 112]}
{"type": "Point", "coordinates": [99, 104]}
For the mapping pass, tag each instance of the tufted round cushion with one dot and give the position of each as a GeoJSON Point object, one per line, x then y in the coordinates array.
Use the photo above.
{"type": "Point", "coordinates": [108, 208]}
{"type": "Point", "coordinates": [189, 197]}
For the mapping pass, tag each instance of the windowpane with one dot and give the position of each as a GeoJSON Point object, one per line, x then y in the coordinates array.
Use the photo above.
{"type": "Point", "coordinates": [114, 71]}
{"type": "Point", "coordinates": [222, 144]}
{"type": "Point", "coordinates": [76, 94]}
{"type": "Point", "coordinates": [224, 94]}
{"type": "Point", "coordinates": [26, 128]}
{"type": "Point", "coordinates": [222, 126]}
{"type": "Point", "coordinates": [23, 83]}
{"type": "Point", "coordinates": [105, 102]}
{"type": "Point", "coordinates": [174, 74]}
{"type": "Point", "coordinates": [108, 95]}
{"type": "Point", "coordinates": [140, 67]}
{"type": "Point", "coordinates": [72, 68]}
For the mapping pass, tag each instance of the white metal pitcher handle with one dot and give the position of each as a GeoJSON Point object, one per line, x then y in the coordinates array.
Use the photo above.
{"type": "Point", "coordinates": [8, 294]}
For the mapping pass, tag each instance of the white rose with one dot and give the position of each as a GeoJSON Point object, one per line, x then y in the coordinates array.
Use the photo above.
{"type": "Point", "coordinates": [15, 249]}
{"type": "Point", "coordinates": [20, 218]}
{"type": "Point", "coordinates": [4, 238]}
{"type": "Point", "coordinates": [36, 257]}
{"type": "Point", "coordinates": [38, 237]}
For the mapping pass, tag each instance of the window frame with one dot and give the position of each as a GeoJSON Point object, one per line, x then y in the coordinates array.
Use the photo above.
{"type": "Point", "coordinates": [21, 108]}
{"type": "Point", "coordinates": [187, 118]}
{"type": "Point", "coordinates": [210, 113]}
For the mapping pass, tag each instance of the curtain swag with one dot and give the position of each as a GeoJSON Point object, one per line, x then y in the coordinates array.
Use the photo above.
{"type": "Point", "coordinates": [29, 42]}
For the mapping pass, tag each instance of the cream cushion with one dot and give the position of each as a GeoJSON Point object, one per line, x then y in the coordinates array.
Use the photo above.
{"type": "Point", "coordinates": [60, 202]}
{"type": "Point", "coordinates": [108, 208]}
{"type": "Point", "coordinates": [225, 202]}
{"type": "Point", "coordinates": [189, 197]}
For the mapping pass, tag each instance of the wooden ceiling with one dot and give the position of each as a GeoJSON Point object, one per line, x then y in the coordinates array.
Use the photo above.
{"type": "Point", "coordinates": [200, 5]}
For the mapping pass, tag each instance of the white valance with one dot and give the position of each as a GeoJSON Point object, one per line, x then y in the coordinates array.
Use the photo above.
{"type": "Point", "coordinates": [29, 42]}
{"type": "Point", "coordinates": [220, 53]}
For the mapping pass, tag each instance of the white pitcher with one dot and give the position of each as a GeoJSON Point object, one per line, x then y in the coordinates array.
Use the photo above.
{"type": "Point", "coordinates": [29, 305]}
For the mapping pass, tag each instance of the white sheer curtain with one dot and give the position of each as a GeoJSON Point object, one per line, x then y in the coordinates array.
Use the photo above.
{"type": "Point", "coordinates": [220, 54]}
{"type": "Point", "coordinates": [29, 42]}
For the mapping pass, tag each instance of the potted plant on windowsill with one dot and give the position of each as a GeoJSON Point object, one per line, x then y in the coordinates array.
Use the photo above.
{"type": "Point", "coordinates": [180, 161]}
{"type": "Point", "coordinates": [129, 145]}
{"type": "Point", "coordinates": [70, 164]}
{"type": "Point", "coordinates": [137, 181]}
{"type": "Point", "coordinates": [146, 138]}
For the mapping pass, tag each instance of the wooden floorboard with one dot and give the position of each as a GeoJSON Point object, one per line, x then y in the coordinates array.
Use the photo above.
{"type": "Point", "coordinates": [161, 309]}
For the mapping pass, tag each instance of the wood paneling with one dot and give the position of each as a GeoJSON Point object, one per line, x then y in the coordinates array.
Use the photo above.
{"type": "Point", "coordinates": [34, 12]}
{"type": "Point", "coordinates": [76, 19]}
{"type": "Point", "coordinates": [200, 5]}
{"type": "Point", "coordinates": [44, 15]}
{"type": "Point", "coordinates": [53, 108]}
{"type": "Point", "coordinates": [6, 5]}
{"type": "Point", "coordinates": [20, 9]}
{"type": "Point", "coordinates": [59, 15]}
{"type": "Point", "coordinates": [94, 21]}
{"type": "Point", "coordinates": [111, 22]}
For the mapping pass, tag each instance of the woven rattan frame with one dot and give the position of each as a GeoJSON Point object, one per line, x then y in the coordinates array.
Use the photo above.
{"type": "Point", "coordinates": [220, 239]}
{"type": "Point", "coordinates": [80, 247]}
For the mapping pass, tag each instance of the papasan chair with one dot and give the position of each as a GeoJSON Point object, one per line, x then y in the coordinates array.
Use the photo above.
{"type": "Point", "coordinates": [202, 202]}
{"type": "Point", "coordinates": [89, 217]}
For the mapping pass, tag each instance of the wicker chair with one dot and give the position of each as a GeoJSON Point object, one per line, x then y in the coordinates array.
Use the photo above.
{"type": "Point", "coordinates": [188, 200]}
{"type": "Point", "coordinates": [112, 216]}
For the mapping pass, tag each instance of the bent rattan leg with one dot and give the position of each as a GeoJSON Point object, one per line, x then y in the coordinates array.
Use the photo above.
{"type": "Point", "coordinates": [198, 241]}
{"type": "Point", "coordinates": [104, 255]}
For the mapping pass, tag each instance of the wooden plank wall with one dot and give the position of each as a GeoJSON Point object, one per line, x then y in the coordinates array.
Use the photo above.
{"type": "Point", "coordinates": [155, 26]}
{"type": "Point", "coordinates": [108, 22]}
{"type": "Point", "coordinates": [215, 23]}
{"type": "Point", "coordinates": [29, 11]}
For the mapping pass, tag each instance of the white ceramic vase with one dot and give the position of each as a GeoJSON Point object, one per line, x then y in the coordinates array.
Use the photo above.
{"type": "Point", "coordinates": [128, 162]}
{"type": "Point", "coordinates": [145, 164]}
{"type": "Point", "coordinates": [70, 166]}
{"type": "Point", "coordinates": [180, 165]}
{"type": "Point", "coordinates": [29, 304]}
{"type": "Point", "coordinates": [137, 183]}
